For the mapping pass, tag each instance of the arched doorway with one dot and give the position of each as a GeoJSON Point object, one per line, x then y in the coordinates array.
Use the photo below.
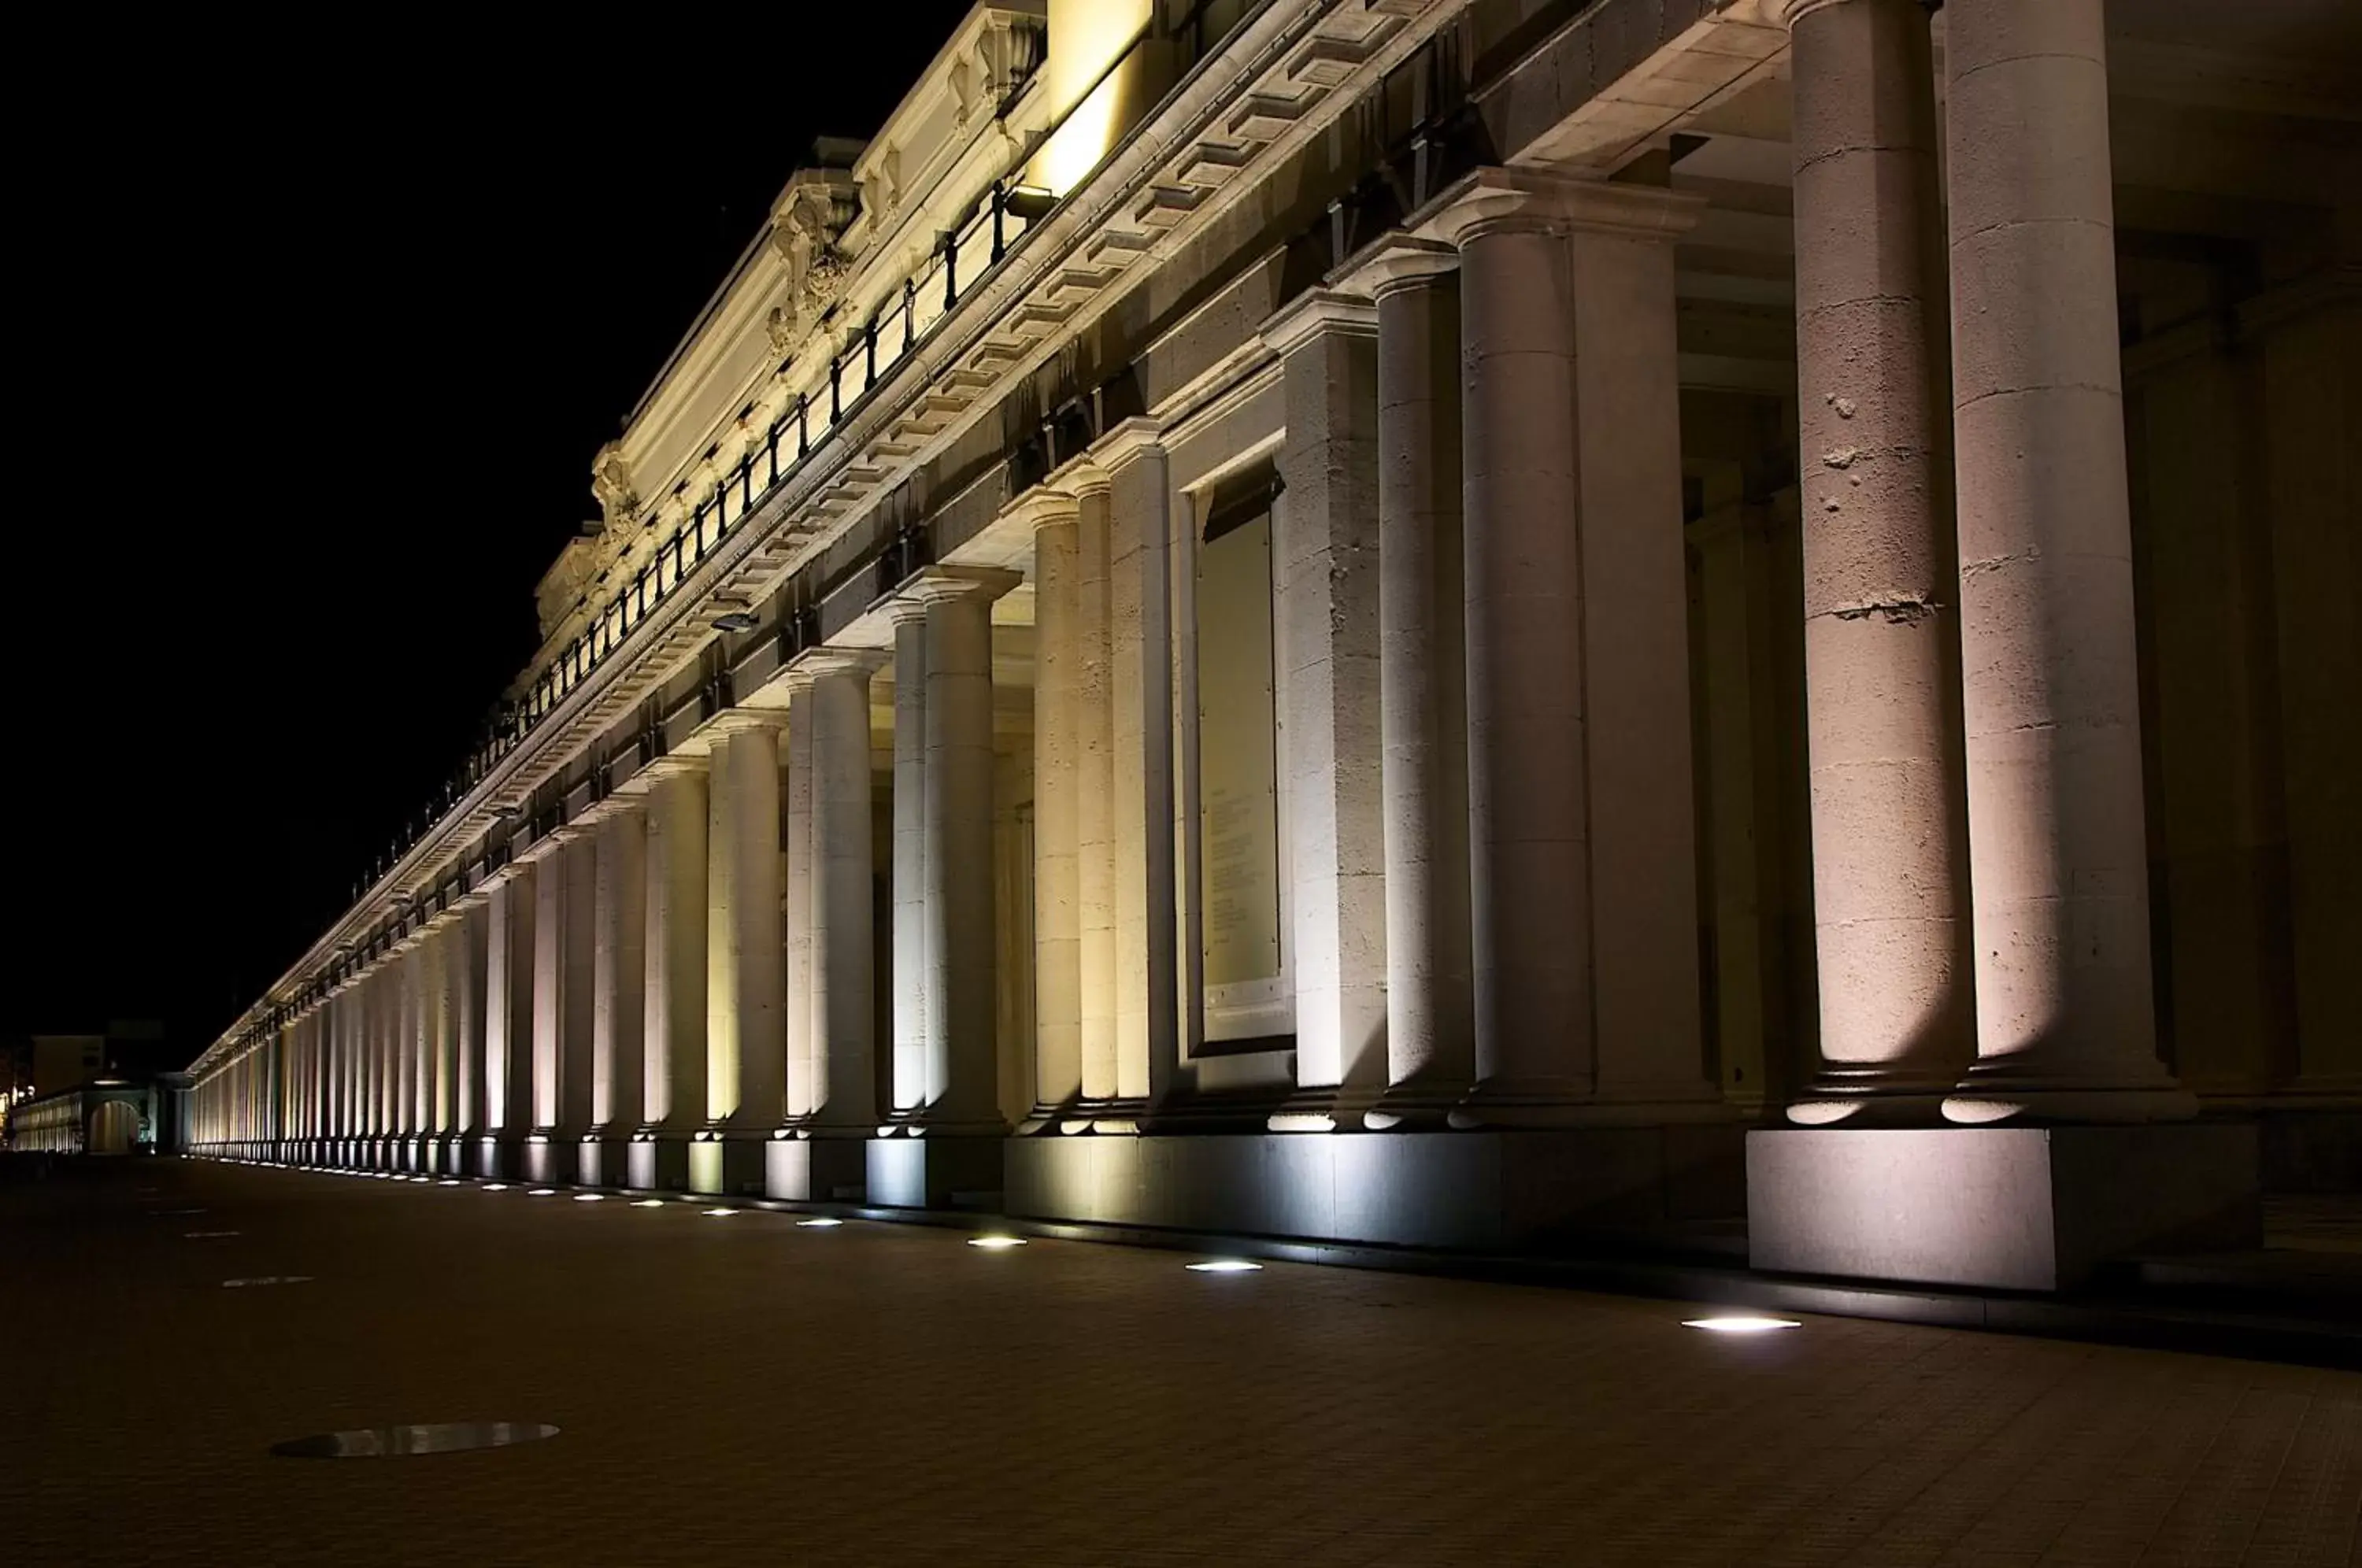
{"type": "Point", "coordinates": [114, 1128]}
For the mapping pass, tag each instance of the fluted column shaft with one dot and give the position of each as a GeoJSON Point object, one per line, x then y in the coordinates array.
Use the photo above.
{"type": "Point", "coordinates": [803, 1086]}
{"type": "Point", "coordinates": [910, 993]}
{"type": "Point", "coordinates": [508, 1004]}
{"type": "Point", "coordinates": [1095, 800]}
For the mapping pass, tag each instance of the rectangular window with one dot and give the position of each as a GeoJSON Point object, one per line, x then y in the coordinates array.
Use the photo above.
{"type": "Point", "coordinates": [1238, 820]}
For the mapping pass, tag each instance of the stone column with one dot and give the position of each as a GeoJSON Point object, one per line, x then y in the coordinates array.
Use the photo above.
{"type": "Point", "coordinates": [618, 1005]}
{"type": "Point", "coordinates": [1095, 797]}
{"type": "Point", "coordinates": [673, 1032]}
{"type": "Point", "coordinates": [843, 963]}
{"type": "Point", "coordinates": [1649, 1061]}
{"type": "Point", "coordinates": [1058, 768]}
{"type": "Point", "coordinates": [508, 1021]}
{"type": "Point", "coordinates": [909, 1077]}
{"type": "Point", "coordinates": [385, 1021]}
{"type": "Point", "coordinates": [2065, 1021]}
{"type": "Point", "coordinates": [1325, 626]}
{"type": "Point", "coordinates": [1422, 684]}
{"type": "Point", "coordinates": [960, 943]}
{"type": "Point", "coordinates": [441, 1043]}
{"type": "Point", "coordinates": [409, 1049]}
{"type": "Point", "coordinates": [564, 931]}
{"type": "Point", "coordinates": [1882, 654]}
{"type": "Point", "coordinates": [466, 1063]}
{"type": "Point", "coordinates": [803, 1090]}
{"type": "Point", "coordinates": [1529, 871]}
{"type": "Point", "coordinates": [744, 1012]}
{"type": "Point", "coordinates": [1140, 707]}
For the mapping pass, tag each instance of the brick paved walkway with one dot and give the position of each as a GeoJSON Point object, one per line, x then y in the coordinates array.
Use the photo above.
{"type": "Point", "coordinates": [741, 1389]}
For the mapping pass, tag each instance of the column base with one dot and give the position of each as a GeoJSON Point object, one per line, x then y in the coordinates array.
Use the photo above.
{"type": "Point", "coordinates": [2003, 1094]}
{"type": "Point", "coordinates": [727, 1165]}
{"type": "Point", "coordinates": [816, 1169]}
{"type": "Point", "coordinates": [604, 1159]}
{"type": "Point", "coordinates": [658, 1162]}
{"type": "Point", "coordinates": [2004, 1208]}
{"type": "Point", "coordinates": [501, 1157]}
{"type": "Point", "coordinates": [1486, 1191]}
{"type": "Point", "coordinates": [550, 1158]}
{"type": "Point", "coordinates": [934, 1171]}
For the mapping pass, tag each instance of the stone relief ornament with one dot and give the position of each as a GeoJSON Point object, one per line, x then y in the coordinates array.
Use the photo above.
{"type": "Point", "coordinates": [805, 227]}
{"type": "Point", "coordinates": [611, 483]}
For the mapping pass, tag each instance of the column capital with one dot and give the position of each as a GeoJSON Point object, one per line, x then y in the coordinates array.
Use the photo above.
{"type": "Point", "coordinates": [1492, 199]}
{"type": "Point", "coordinates": [947, 584]}
{"type": "Point", "coordinates": [1791, 11]}
{"type": "Point", "coordinates": [1047, 506]}
{"type": "Point", "coordinates": [1126, 442]}
{"type": "Point", "coordinates": [738, 720]}
{"type": "Point", "coordinates": [818, 664]}
{"type": "Point", "coordinates": [1396, 260]}
{"type": "Point", "coordinates": [1316, 313]}
{"type": "Point", "coordinates": [672, 765]}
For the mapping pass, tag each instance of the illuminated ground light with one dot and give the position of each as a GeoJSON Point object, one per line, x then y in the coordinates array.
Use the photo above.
{"type": "Point", "coordinates": [996, 1243]}
{"type": "Point", "coordinates": [649, 1203]}
{"type": "Point", "coordinates": [543, 1192]}
{"type": "Point", "coordinates": [448, 1181]}
{"type": "Point", "coordinates": [1740, 1323]}
{"type": "Point", "coordinates": [720, 1213]}
{"type": "Point", "coordinates": [496, 1186]}
{"type": "Point", "coordinates": [590, 1197]}
{"type": "Point", "coordinates": [824, 1222]}
{"type": "Point", "coordinates": [1225, 1265]}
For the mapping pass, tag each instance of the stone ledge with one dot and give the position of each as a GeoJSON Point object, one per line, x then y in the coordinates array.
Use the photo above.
{"type": "Point", "coordinates": [1459, 1190]}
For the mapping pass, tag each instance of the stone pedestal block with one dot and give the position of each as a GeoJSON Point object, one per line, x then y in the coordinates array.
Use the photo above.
{"type": "Point", "coordinates": [1469, 1189]}
{"type": "Point", "coordinates": [816, 1170]}
{"type": "Point", "coordinates": [605, 1160]}
{"type": "Point", "coordinates": [500, 1159]}
{"type": "Point", "coordinates": [2011, 1208]}
{"type": "Point", "coordinates": [658, 1163]}
{"type": "Point", "coordinates": [726, 1168]}
{"type": "Point", "coordinates": [925, 1173]}
{"type": "Point", "coordinates": [549, 1161]}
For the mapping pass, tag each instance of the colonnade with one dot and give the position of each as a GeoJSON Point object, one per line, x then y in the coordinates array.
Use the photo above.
{"type": "Point", "coordinates": [1484, 733]}
{"type": "Point", "coordinates": [675, 987]}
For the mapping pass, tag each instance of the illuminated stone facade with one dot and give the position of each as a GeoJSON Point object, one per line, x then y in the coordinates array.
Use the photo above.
{"type": "Point", "coordinates": [1463, 624]}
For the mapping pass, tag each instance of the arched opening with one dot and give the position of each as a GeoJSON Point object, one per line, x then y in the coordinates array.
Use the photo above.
{"type": "Point", "coordinates": [114, 1128]}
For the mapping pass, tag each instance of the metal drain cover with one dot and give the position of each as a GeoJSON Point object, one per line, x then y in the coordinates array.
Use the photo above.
{"type": "Point", "coordinates": [402, 1442]}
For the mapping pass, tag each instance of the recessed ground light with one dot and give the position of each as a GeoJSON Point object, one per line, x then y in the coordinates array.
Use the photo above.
{"type": "Point", "coordinates": [266, 1279]}
{"type": "Point", "coordinates": [543, 1192]}
{"type": "Point", "coordinates": [1224, 1265]}
{"type": "Point", "coordinates": [205, 1235]}
{"type": "Point", "coordinates": [1740, 1323]}
{"type": "Point", "coordinates": [824, 1222]}
{"type": "Point", "coordinates": [649, 1203]}
{"type": "Point", "coordinates": [403, 1442]}
{"type": "Point", "coordinates": [720, 1213]}
{"type": "Point", "coordinates": [448, 1181]}
{"type": "Point", "coordinates": [996, 1243]}
{"type": "Point", "coordinates": [590, 1197]}
{"type": "Point", "coordinates": [496, 1186]}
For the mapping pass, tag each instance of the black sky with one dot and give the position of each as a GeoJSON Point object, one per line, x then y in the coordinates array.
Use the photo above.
{"type": "Point", "coordinates": [316, 345]}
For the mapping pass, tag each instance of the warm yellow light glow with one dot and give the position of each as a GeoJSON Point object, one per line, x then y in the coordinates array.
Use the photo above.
{"type": "Point", "coordinates": [1225, 1265]}
{"type": "Point", "coordinates": [1740, 1323]}
{"type": "Point", "coordinates": [996, 1243]}
{"type": "Point", "coordinates": [649, 1203]}
{"type": "Point", "coordinates": [1087, 37]}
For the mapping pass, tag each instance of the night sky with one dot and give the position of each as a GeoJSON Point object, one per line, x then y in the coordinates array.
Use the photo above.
{"type": "Point", "coordinates": [316, 344]}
